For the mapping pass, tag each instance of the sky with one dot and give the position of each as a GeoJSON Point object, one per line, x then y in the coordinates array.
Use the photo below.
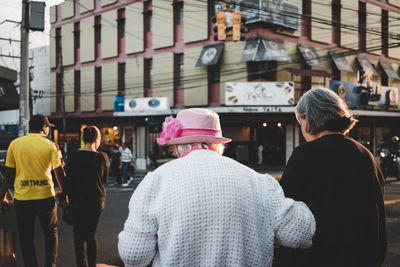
{"type": "Point", "coordinates": [11, 10]}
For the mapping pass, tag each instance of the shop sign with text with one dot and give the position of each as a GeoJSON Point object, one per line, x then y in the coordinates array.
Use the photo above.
{"type": "Point", "coordinates": [259, 93]}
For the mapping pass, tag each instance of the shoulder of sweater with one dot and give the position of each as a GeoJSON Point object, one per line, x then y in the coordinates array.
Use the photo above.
{"type": "Point", "coordinates": [223, 161]}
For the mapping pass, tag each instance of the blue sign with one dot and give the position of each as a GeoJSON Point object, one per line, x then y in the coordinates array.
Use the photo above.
{"type": "Point", "coordinates": [348, 91]}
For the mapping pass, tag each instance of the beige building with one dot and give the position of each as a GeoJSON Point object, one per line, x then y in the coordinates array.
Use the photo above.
{"type": "Point", "coordinates": [125, 65]}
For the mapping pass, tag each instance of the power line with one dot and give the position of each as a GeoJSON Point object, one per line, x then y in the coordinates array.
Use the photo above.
{"type": "Point", "coordinates": [359, 52]}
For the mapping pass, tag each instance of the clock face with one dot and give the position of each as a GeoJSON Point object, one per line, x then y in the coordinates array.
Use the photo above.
{"type": "Point", "coordinates": [209, 55]}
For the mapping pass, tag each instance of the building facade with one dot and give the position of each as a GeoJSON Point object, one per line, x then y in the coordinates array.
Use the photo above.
{"type": "Point", "coordinates": [125, 64]}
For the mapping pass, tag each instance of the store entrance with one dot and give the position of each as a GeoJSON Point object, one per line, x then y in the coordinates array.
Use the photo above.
{"type": "Point", "coordinates": [270, 144]}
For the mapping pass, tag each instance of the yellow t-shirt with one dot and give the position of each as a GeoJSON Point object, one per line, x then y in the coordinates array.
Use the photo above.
{"type": "Point", "coordinates": [33, 156]}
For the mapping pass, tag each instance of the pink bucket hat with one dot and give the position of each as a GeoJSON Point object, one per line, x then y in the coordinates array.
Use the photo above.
{"type": "Point", "coordinates": [195, 125]}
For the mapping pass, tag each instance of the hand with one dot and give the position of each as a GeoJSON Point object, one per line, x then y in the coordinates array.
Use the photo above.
{"type": "Point", "coordinates": [62, 199]}
{"type": "Point", "coordinates": [4, 206]}
{"type": "Point", "coordinates": [63, 203]}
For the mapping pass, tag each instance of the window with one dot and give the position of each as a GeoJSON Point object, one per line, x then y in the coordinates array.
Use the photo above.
{"type": "Point", "coordinates": [77, 83]}
{"type": "Point", "coordinates": [97, 75]}
{"type": "Point", "coordinates": [77, 35]}
{"type": "Point", "coordinates": [178, 11]}
{"type": "Point", "coordinates": [362, 24]}
{"type": "Point", "coordinates": [97, 30]}
{"type": "Point", "coordinates": [179, 70]}
{"type": "Point", "coordinates": [261, 70]}
{"type": "Point", "coordinates": [121, 77]}
{"type": "Point", "coordinates": [214, 74]}
{"type": "Point", "coordinates": [121, 23]}
{"type": "Point", "coordinates": [148, 20]}
{"type": "Point", "coordinates": [148, 68]}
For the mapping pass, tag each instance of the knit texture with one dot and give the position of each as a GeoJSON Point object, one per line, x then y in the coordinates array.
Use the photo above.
{"type": "Point", "coordinates": [208, 210]}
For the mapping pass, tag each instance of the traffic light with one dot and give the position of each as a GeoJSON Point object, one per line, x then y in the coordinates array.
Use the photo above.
{"type": "Point", "coordinates": [219, 29]}
{"type": "Point", "coordinates": [237, 27]}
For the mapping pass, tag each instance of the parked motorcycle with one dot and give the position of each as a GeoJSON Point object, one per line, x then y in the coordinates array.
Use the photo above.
{"type": "Point", "coordinates": [390, 159]}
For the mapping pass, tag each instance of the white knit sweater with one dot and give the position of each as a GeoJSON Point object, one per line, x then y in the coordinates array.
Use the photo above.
{"type": "Point", "coordinates": [208, 210]}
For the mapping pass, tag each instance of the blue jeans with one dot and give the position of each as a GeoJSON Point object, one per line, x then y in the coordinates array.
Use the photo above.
{"type": "Point", "coordinates": [125, 166]}
{"type": "Point", "coordinates": [26, 212]}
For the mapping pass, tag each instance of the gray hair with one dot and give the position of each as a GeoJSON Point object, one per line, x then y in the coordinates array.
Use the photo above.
{"type": "Point", "coordinates": [324, 111]}
{"type": "Point", "coordinates": [181, 149]}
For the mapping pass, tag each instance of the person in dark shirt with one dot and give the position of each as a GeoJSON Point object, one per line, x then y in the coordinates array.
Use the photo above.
{"type": "Point", "coordinates": [87, 173]}
{"type": "Point", "coordinates": [341, 183]}
{"type": "Point", "coordinates": [115, 165]}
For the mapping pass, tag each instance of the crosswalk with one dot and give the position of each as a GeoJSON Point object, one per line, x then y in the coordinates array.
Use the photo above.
{"type": "Point", "coordinates": [127, 187]}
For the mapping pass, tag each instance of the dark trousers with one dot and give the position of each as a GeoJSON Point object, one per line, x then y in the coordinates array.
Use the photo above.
{"type": "Point", "coordinates": [117, 174]}
{"type": "Point", "coordinates": [85, 229]}
{"type": "Point", "coordinates": [125, 167]}
{"type": "Point", "coordinates": [26, 212]}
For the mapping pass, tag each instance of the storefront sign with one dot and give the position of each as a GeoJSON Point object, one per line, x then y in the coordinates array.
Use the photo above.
{"type": "Point", "coordinates": [263, 109]}
{"type": "Point", "coordinates": [278, 12]}
{"type": "Point", "coordinates": [210, 55]}
{"type": "Point", "coordinates": [357, 96]}
{"type": "Point", "coordinates": [259, 93]}
{"type": "Point", "coordinates": [146, 104]}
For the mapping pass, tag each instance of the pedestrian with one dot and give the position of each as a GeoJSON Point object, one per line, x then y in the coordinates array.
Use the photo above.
{"type": "Point", "coordinates": [87, 173]}
{"type": "Point", "coordinates": [340, 181]}
{"type": "Point", "coordinates": [204, 209]}
{"type": "Point", "coordinates": [154, 154]}
{"type": "Point", "coordinates": [260, 150]}
{"type": "Point", "coordinates": [29, 162]}
{"type": "Point", "coordinates": [115, 165]}
{"type": "Point", "coordinates": [126, 160]}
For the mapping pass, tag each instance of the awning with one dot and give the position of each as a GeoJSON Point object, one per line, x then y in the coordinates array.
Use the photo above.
{"type": "Point", "coordinates": [305, 72]}
{"type": "Point", "coordinates": [364, 63]}
{"type": "Point", "coordinates": [340, 61]}
{"type": "Point", "coordinates": [210, 55]}
{"type": "Point", "coordinates": [388, 69]}
{"type": "Point", "coordinates": [259, 49]}
{"type": "Point", "coordinates": [310, 56]}
{"type": "Point", "coordinates": [9, 99]}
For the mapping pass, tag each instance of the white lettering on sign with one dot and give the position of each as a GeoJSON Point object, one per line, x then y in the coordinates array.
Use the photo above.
{"type": "Point", "coordinates": [262, 109]}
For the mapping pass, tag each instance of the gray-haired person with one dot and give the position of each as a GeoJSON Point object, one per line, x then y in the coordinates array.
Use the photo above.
{"type": "Point", "coordinates": [204, 209]}
{"type": "Point", "coordinates": [341, 183]}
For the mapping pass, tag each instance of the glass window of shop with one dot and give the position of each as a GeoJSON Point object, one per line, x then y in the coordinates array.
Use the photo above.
{"type": "Point", "coordinates": [71, 140]}
{"type": "Point", "coordinates": [272, 137]}
{"type": "Point", "coordinates": [110, 138]}
{"type": "Point", "coordinates": [129, 137]}
{"type": "Point", "coordinates": [383, 138]}
{"type": "Point", "coordinates": [263, 143]}
{"type": "Point", "coordinates": [156, 152]}
{"type": "Point", "coordinates": [364, 135]}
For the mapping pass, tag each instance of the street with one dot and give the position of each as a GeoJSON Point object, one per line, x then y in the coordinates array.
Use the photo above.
{"type": "Point", "coordinates": [116, 212]}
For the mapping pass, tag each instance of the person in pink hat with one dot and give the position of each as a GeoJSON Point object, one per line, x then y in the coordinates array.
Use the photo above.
{"type": "Point", "coordinates": [204, 209]}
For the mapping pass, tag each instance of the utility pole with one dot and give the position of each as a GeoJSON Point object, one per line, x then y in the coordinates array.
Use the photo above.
{"type": "Point", "coordinates": [24, 71]}
{"type": "Point", "coordinates": [61, 73]}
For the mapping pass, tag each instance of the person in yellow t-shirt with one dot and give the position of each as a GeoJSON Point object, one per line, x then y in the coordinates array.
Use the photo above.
{"type": "Point", "coordinates": [29, 162]}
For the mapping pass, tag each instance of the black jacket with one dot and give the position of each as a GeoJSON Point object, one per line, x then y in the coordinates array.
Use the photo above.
{"type": "Point", "coordinates": [342, 184]}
